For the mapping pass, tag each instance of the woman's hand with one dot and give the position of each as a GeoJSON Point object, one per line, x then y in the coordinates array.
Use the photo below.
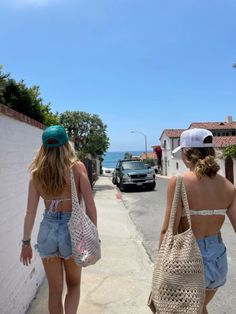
{"type": "Point", "coordinates": [26, 254]}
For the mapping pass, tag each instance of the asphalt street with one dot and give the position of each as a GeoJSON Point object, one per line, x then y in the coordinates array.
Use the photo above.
{"type": "Point", "coordinates": [146, 209]}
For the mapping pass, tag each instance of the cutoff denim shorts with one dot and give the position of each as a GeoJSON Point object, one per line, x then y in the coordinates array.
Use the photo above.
{"type": "Point", "coordinates": [215, 263]}
{"type": "Point", "coordinates": [53, 236]}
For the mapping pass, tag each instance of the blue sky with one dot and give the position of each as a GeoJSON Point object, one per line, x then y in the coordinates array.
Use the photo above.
{"type": "Point", "coordinates": [142, 65]}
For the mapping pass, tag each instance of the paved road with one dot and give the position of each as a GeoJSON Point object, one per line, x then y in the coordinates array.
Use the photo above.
{"type": "Point", "coordinates": [146, 209]}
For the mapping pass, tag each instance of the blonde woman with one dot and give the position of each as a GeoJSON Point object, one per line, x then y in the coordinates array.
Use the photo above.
{"type": "Point", "coordinates": [50, 180]}
{"type": "Point", "coordinates": [210, 197]}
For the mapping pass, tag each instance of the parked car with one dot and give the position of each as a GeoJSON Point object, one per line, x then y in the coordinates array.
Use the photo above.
{"type": "Point", "coordinates": [133, 173]}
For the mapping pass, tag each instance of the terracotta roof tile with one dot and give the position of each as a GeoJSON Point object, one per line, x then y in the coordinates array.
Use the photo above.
{"type": "Point", "coordinates": [173, 132]}
{"type": "Point", "coordinates": [213, 125]}
{"type": "Point", "coordinates": [224, 141]}
{"type": "Point", "coordinates": [150, 155]}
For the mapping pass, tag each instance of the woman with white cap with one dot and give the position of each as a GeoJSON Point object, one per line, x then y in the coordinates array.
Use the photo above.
{"type": "Point", "coordinates": [52, 171]}
{"type": "Point", "coordinates": [210, 197]}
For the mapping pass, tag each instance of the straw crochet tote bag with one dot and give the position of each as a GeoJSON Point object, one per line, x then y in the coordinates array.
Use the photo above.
{"type": "Point", "coordinates": [85, 241]}
{"type": "Point", "coordinates": [178, 277]}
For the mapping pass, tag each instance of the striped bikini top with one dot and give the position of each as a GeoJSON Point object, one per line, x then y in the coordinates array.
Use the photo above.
{"type": "Point", "coordinates": [205, 212]}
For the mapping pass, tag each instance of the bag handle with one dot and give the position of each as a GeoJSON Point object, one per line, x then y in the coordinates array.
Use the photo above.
{"type": "Point", "coordinates": [180, 191]}
{"type": "Point", "coordinates": [74, 195]}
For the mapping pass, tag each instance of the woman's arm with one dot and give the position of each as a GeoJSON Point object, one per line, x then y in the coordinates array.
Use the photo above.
{"type": "Point", "coordinates": [32, 204]}
{"type": "Point", "coordinates": [231, 212]}
{"type": "Point", "coordinates": [170, 196]}
{"type": "Point", "coordinates": [87, 192]}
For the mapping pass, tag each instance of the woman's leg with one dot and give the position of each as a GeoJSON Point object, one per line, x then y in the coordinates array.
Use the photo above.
{"type": "Point", "coordinates": [73, 276]}
{"type": "Point", "coordinates": [208, 296]}
{"type": "Point", "coordinates": [54, 273]}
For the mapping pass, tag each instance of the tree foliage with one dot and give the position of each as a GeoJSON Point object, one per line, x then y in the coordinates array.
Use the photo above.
{"type": "Point", "coordinates": [128, 155]}
{"type": "Point", "coordinates": [88, 132]}
{"type": "Point", "coordinates": [230, 151]}
{"type": "Point", "coordinates": [26, 100]}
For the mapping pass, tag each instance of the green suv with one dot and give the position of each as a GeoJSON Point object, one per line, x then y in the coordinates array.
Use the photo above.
{"type": "Point", "coordinates": [135, 173]}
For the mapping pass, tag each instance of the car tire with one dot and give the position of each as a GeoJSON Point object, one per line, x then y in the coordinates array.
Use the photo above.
{"type": "Point", "coordinates": [122, 187]}
{"type": "Point", "coordinates": [152, 186]}
{"type": "Point", "coordinates": [114, 181]}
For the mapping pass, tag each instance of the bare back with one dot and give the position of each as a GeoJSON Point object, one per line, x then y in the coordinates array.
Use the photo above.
{"type": "Point", "coordinates": [64, 199]}
{"type": "Point", "coordinates": [204, 194]}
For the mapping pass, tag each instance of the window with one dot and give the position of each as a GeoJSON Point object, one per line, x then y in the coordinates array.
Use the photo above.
{"type": "Point", "coordinates": [164, 145]}
{"type": "Point", "coordinates": [218, 134]}
{"type": "Point", "coordinates": [233, 133]}
{"type": "Point", "coordinates": [227, 133]}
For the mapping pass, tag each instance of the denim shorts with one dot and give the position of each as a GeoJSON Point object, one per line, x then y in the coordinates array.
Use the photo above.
{"type": "Point", "coordinates": [214, 257]}
{"type": "Point", "coordinates": [53, 236]}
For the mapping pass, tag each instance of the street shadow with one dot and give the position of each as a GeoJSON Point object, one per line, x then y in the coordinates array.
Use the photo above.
{"type": "Point", "coordinates": [138, 189]}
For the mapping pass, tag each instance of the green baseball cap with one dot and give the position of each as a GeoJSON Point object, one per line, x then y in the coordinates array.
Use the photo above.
{"type": "Point", "coordinates": [57, 134]}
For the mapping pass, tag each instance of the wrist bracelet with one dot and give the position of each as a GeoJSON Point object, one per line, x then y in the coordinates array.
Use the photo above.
{"type": "Point", "coordinates": [26, 242]}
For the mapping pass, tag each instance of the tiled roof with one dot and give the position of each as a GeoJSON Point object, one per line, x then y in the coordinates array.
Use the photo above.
{"type": "Point", "coordinates": [224, 141]}
{"type": "Point", "coordinates": [150, 155]}
{"type": "Point", "coordinates": [213, 125]}
{"type": "Point", "coordinates": [173, 132]}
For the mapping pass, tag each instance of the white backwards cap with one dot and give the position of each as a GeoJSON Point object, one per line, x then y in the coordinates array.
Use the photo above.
{"type": "Point", "coordinates": [194, 138]}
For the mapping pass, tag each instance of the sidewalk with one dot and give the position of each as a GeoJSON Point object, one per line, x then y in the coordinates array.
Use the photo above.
{"type": "Point", "coordinates": [120, 282]}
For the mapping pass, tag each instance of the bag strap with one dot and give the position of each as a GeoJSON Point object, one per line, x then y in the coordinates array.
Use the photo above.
{"type": "Point", "coordinates": [185, 203]}
{"type": "Point", "coordinates": [74, 196]}
{"type": "Point", "coordinates": [180, 191]}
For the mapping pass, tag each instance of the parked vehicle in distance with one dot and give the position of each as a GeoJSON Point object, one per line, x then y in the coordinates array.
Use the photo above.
{"type": "Point", "coordinates": [134, 173]}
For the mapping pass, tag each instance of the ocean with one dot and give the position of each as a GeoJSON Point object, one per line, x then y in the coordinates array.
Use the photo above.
{"type": "Point", "coordinates": [111, 158]}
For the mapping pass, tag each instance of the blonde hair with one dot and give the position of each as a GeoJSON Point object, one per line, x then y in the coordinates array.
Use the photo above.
{"type": "Point", "coordinates": [202, 160]}
{"type": "Point", "coordinates": [50, 167]}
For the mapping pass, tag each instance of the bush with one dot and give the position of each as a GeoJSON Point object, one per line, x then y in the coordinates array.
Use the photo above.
{"type": "Point", "coordinates": [230, 151]}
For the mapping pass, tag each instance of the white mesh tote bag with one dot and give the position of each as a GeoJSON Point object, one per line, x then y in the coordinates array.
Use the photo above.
{"type": "Point", "coordinates": [85, 241]}
{"type": "Point", "coordinates": [178, 277]}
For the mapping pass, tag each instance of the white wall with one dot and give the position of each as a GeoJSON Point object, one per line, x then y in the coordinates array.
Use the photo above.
{"type": "Point", "coordinates": [18, 143]}
{"type": "Point", "coordinates": [172, 170]}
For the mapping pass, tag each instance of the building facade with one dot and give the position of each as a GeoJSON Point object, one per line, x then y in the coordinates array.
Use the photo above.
{"type": "Point", "coordinates": [224, 135]}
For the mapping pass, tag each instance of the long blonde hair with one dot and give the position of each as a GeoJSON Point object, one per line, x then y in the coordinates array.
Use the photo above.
{"type": "Point", "coordinates": [50, 167]}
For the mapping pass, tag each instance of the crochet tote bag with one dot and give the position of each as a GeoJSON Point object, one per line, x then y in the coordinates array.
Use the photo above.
{"type": "Point", "coordinates": [85, 241]}
{"type": "Point", "coordinates": [178, 277]}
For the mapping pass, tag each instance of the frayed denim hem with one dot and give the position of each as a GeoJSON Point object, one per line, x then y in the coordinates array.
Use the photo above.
{"type": "Point", "coordinates": [49, 257]}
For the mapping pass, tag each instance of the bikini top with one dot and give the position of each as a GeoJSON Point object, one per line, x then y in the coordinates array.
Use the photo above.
{"type": "Point", "coordinates": [206, 212]}
{"type": "Point", "coordinates": [55, 201]}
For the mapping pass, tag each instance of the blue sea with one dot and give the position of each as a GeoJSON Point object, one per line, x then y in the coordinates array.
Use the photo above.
{"type": "Point", "coordinates": [111, 158]}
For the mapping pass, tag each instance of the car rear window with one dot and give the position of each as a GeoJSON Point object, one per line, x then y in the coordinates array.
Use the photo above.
{"type": "Point", "coordinates": [133, 165]}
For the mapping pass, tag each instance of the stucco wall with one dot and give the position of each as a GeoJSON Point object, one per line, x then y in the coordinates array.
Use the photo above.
{"type": "Point", "coordinates": [172, 169]}
{"type": "Point", "coordinates": [18, 143]}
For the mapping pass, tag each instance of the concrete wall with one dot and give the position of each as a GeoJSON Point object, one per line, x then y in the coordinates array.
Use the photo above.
{"type": "Point", "coordinates": [18, 143]}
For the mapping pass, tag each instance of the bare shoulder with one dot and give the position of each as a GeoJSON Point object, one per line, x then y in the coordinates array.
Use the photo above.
{"type": "Point", "coordinates": [79, 166]}
{"type": "Point", "coordinates": [228, 186]}
{"type": "Point", "coordinates": [33, 182]}
{"type": "Point", "coordinates": [172, 183]}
